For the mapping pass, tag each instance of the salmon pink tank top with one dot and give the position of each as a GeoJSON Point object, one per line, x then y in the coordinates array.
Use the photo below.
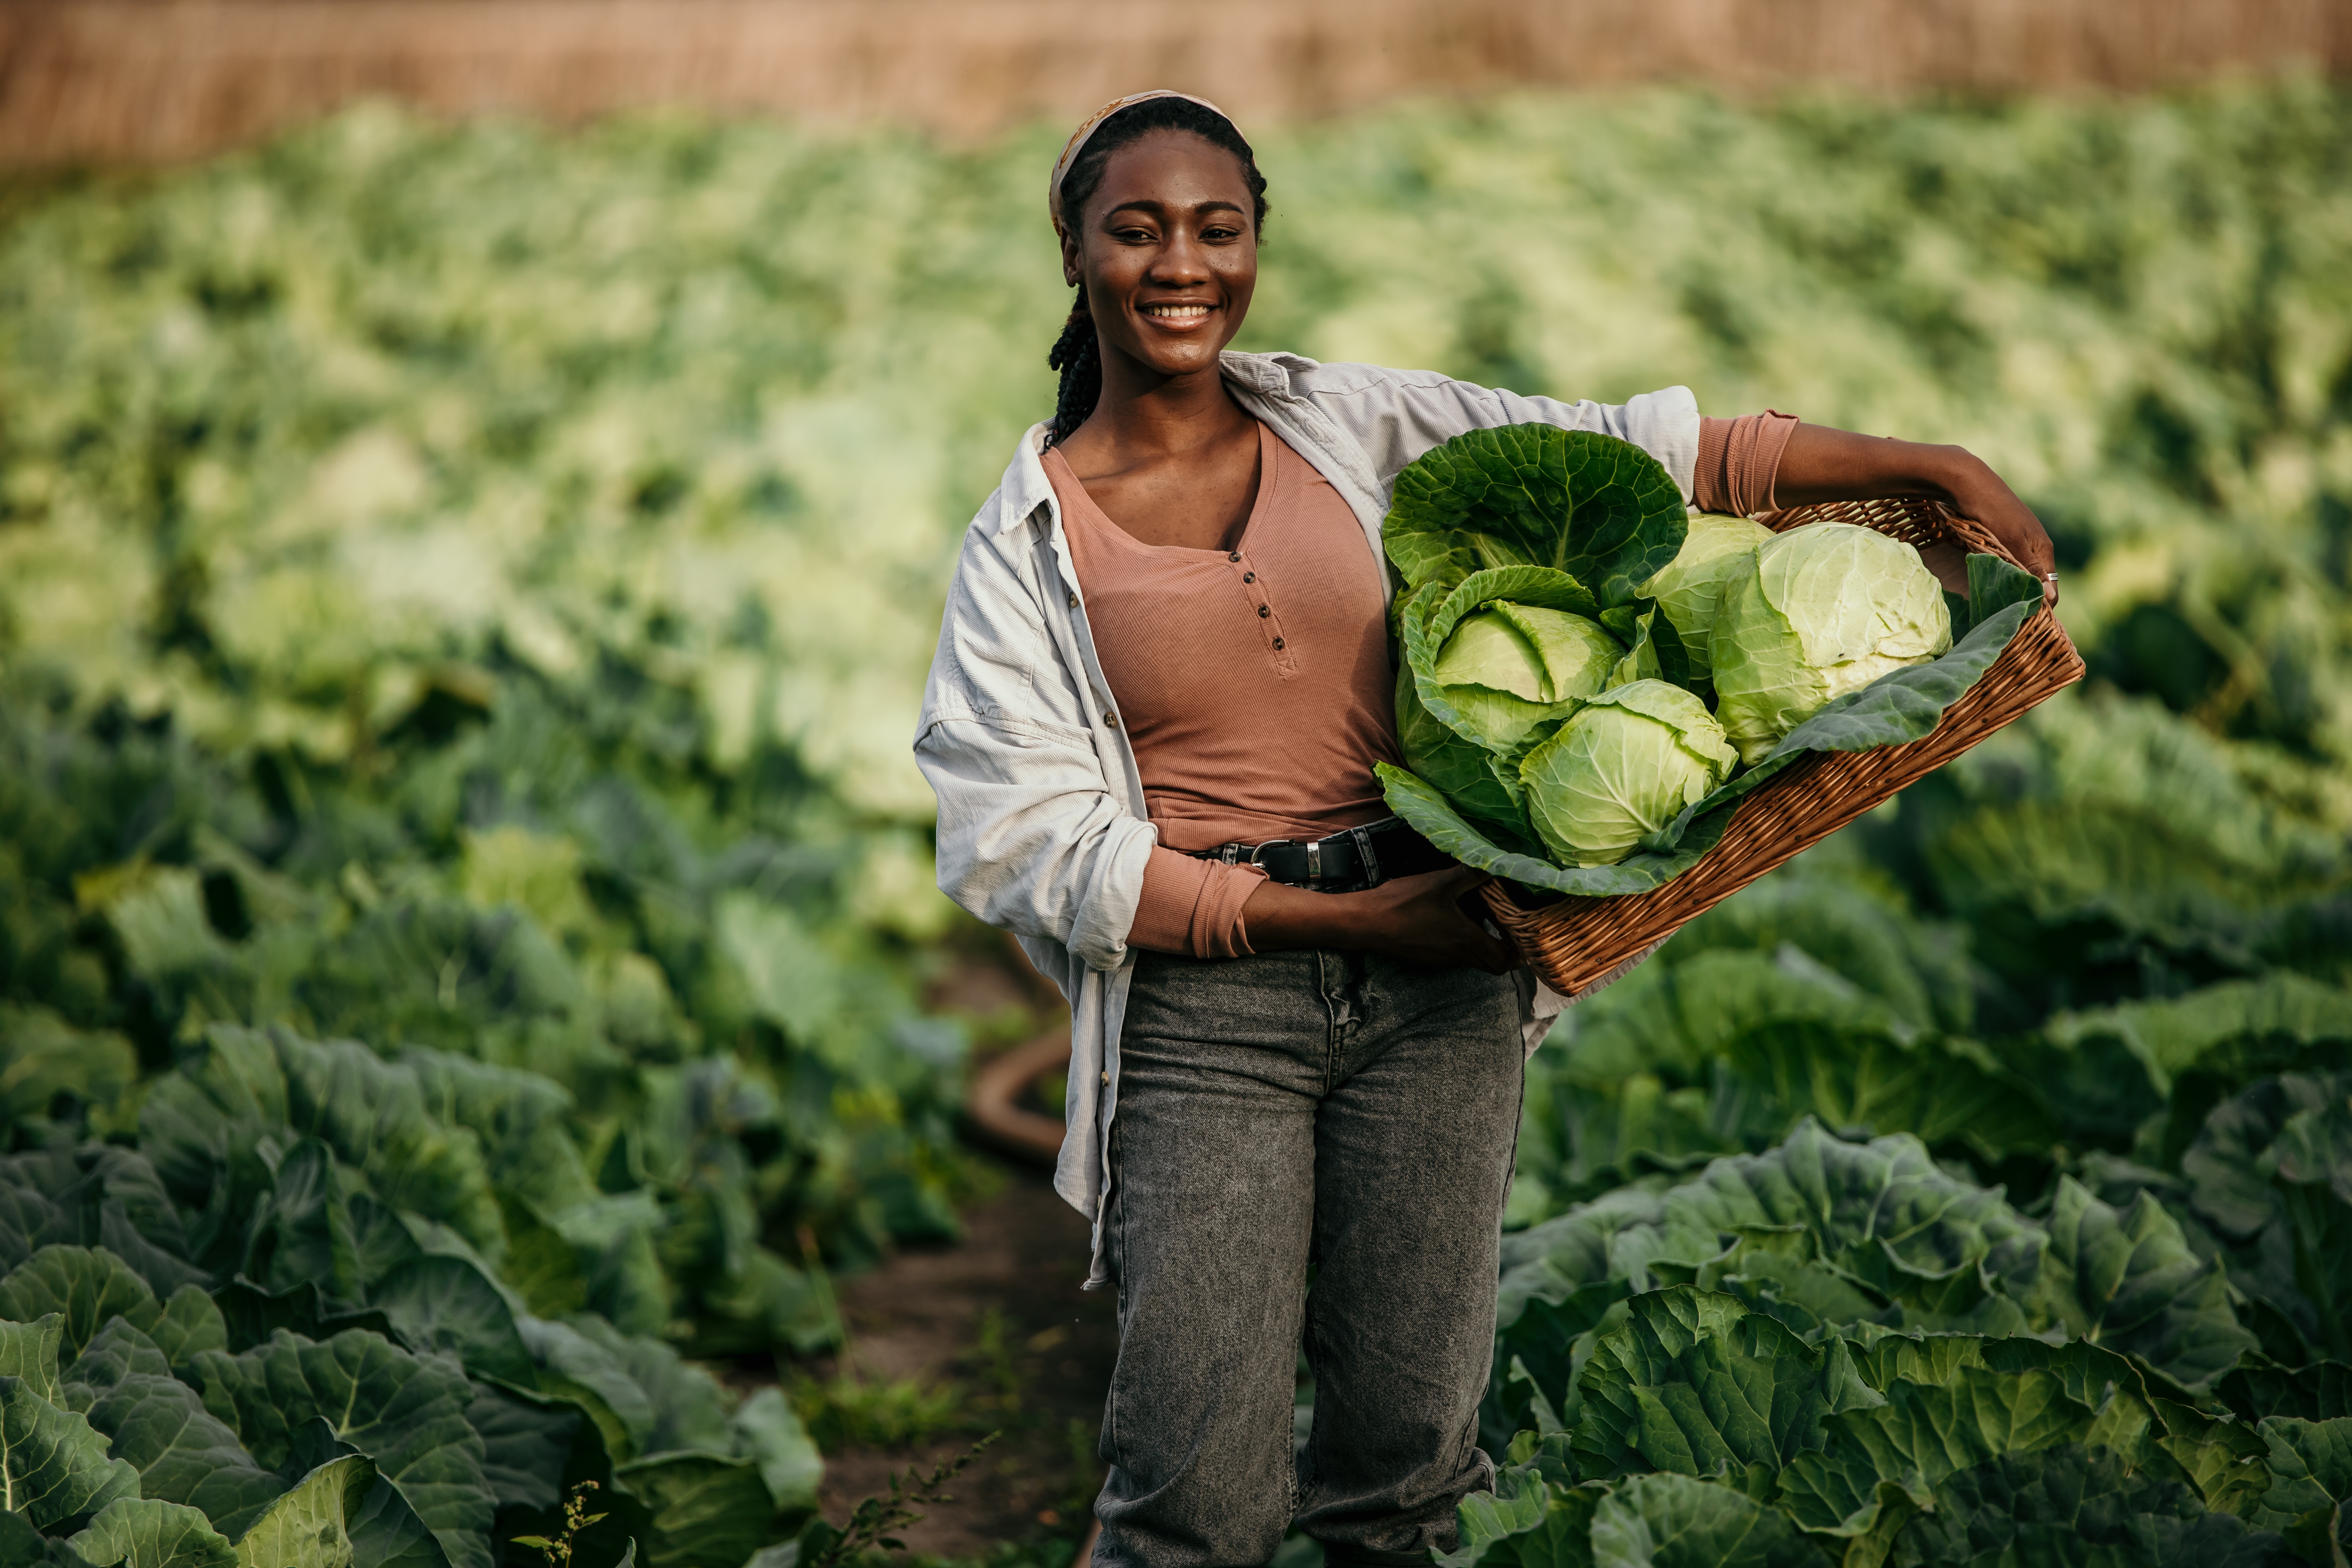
{"type": "Point", "coordinates": [1253, 683]}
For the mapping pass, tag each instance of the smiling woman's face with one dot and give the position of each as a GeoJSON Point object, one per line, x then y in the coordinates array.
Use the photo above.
{"type": "Point", "coordinates": [1167, 253]}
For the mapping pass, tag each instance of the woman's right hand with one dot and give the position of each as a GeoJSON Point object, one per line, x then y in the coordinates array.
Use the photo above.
{"type": "Point", "coordinates": [1418, 918]}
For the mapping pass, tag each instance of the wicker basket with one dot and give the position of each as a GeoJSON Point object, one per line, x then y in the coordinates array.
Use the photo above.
{"type": "Point", "coordinates": [1578, 944]}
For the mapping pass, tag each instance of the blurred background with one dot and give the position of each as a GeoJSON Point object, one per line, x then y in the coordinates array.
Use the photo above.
{"type": "Point", "coordinates": [478, 478]}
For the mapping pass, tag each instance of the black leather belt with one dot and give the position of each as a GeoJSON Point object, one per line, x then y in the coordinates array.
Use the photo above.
{"type": "Point", "coordinates": [1346, 861]}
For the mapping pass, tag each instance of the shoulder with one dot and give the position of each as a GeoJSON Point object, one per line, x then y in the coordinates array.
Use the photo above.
{"type": "Point", "coordinates": [1022, 489]}
{"type": "Point", "coordinates": [1299, 376]}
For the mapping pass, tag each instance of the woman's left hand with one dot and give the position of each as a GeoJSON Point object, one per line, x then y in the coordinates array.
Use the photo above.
{"type": "Point", "coordinates": [1975, 492]}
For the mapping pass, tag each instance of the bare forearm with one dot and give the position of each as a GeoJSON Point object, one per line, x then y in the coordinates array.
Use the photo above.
{"type": "Point", "coordinates": [1822, 463]}
{"type": "Point", "coordinates": [1278, 917]}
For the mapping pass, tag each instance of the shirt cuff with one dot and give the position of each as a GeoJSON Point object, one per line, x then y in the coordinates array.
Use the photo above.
{"type": "Point", "coordinates": [1738, 460]}
{"type": "Point", "coordinates": [1193, 907]}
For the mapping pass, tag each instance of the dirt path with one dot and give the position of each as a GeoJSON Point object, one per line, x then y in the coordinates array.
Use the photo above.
{"type": "Point", "coordinates": [1000, 1314]}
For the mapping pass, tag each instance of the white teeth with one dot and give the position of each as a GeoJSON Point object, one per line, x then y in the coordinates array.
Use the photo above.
{"type": "Point", "coordinates": [1177, 312]}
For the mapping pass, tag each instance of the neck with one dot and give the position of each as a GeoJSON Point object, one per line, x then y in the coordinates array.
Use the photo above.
{"type": "Point", "coordinates": [1144, 413]}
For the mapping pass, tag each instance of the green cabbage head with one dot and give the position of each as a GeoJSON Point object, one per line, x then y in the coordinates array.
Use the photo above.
{"type": "Point", "coordinates": [1509, 667]}
{"type": "Point", "coordinates": [1623, 767]}
{"type": "Point", "coordinates": [1690, 590]}
{"type": "Point", "coordinates": [1821, 611]}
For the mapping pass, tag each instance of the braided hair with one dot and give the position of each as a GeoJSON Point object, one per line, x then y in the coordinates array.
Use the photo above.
{"type": "Point", "coordinates": [1076, 354]}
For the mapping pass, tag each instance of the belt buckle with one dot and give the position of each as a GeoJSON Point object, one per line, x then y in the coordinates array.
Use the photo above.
{"type": "Point", "coordinates": [1314, 847]}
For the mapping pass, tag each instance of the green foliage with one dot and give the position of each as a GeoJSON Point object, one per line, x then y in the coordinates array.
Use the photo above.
{"type": "Point", "coordinates": [870, 1524]}
{"type": "Point", "coordinates": [1859, 1335]}
{"type": "Point", "coordinates": [883, 1413]}
{"type": "Point", "coordinates": [341, 1370]}
{"type": "Point", "coordinates": [139, 1533]}
{"type": "Point", "coordinates": [427, 620]}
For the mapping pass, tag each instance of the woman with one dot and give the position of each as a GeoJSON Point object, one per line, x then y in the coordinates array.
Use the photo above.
{"type": "Point", "coordinates": [1162, 683]}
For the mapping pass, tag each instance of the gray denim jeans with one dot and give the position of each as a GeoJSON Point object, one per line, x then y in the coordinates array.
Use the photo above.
{"type": "Point", "coordinates": [1334, 1109]}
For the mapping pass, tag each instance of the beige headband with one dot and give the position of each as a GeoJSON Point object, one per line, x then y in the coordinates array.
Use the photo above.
{"type": "Point", "coordinates": [1077, 141]}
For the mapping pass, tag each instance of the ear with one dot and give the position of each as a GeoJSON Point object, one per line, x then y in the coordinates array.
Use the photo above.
{"type": "Point", "coordinates": [1072, 264]}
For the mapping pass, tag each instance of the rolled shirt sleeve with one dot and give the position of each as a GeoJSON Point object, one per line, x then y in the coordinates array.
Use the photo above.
{"type": "Point", "coordinates": [1194, 906]}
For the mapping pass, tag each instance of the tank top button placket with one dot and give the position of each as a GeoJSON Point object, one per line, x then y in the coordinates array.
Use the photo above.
{"type": "Point", "coordinates": [1259, 598]}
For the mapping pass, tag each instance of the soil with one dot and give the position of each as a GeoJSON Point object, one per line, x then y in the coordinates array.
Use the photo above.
{"type": "Point", "coordinates": [923, 1315]}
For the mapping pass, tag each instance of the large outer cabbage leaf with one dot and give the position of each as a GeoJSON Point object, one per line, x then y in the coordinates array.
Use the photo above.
{"type": "Point", "coordinates": [94, 1197]}
{"type": "Point", "coordinates": [140, 1532]}
{"type": "Point", "coordinates": [1823, 610]}
{"type": "Point", "coordinates": [1599, 509]}
{"type": "Point", "coordinates": [2269, 1177]}
{"type": "Point", "coordinates": [1624, 766]}
{"type": "Point", "coordinates": [405, 1413]}
{"type": "Point", "coordinates": [1676, 1521]}
{"type": "Point", "coordinates": [86, 1287]}
{"type": "Point", "coordinates": [1695, 1382]}
{"type": "Point", "coordinates": [53, 1466]}
{"type": "Point", "coordinates": [125, 1387]}
{"type": "Point", "coordinates": [1831, 1236]}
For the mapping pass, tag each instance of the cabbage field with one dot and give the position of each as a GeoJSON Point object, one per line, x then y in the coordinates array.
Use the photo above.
{"type": "Point", "coordinates": [465, 917]}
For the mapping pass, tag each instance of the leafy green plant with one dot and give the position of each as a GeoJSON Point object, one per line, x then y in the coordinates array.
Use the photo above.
{"type": "Point", "coordinates": [576, 1518]}
{"type": "Point", "coordinates": [306, 1311]}
{"type": "Point", "coordinates": [883, 1413]}
{"type": "Point", "coordinates": [871, 1524]}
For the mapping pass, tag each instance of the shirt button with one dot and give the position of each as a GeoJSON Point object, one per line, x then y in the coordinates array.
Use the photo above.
{"type": "Point", "coordinates": [1074, 601]}
{"type": "Point", "coordinates": [1249, 577]}
{"type": "Point", "coordinates": [1105, 1083]}
{"type": "Point", "coordinates": [1264, 611]}
{"type": "Point", "coordinates": [1111, 720]}
{"type": "Point", "coordinates": [1233, 555]}
{"type": "Point", "coordinates": [1277, 645]}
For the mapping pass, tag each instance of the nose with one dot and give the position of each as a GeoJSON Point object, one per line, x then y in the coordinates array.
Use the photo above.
{"type": "Point", "coordinates": [1182, 260]}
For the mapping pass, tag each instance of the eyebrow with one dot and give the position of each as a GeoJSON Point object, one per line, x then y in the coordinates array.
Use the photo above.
{"type": "Point", "coordinates": [1146, 204]}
